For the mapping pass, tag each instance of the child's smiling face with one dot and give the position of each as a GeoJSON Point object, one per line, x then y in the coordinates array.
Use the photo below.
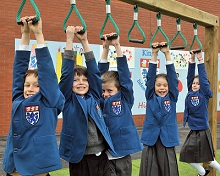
{"type": "Point", "coordinates": [161, 87]}
{"type": "Point", "coordinates": [80, 85]}
{"type": "Point", "coordinates": [195, 84]}
{"type": "Point", "coordinates": [31, 85]}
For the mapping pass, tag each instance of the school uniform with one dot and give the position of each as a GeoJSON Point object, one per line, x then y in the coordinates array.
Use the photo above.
{"type": "Point", "coordinates": [80, 111]}
{"type": "Point", "coordinates": [160, 130]}
{"type": "Point", "coordinates": [118, 115]}
{"type": "Point", "coordinates": [31, 144]}
{"type": "Point", "coordinates": [198, 146]}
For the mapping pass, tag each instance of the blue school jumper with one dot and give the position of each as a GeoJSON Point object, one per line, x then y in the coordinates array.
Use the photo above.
{"type": "Point", "coordinates": [117, 113]}
{"type": "Point", "coordinates": [77, 110]}
{"type": "Point", "coordinates": [196, 107]}
{"type": "Point", "coordinates": [31, 144]}
{"type": "Point", "coordinates": [160, 121]}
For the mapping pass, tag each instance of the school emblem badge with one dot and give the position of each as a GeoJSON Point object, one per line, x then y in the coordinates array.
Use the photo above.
{"type": "Point", "coordinates": [116, 107]}
{"type": "Point", "coordinates": [167, 105]}
{"type": "Point", "coordinates": [32, 114]}
{"type": "Point", "coordinates": [195, 100]}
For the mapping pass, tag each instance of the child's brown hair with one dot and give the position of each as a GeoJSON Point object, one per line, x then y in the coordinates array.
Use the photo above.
{"type": "Point", "coordinates": [162, 75]}
{"type": "Point", "coordinates": [31, 72]}
{"type": "Point", "coordinates": [111, 76]}
{"type": "Point", "coordinates": [80, 71]}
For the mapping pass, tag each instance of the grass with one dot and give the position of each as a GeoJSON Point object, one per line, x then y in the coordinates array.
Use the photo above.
{"type": "Point", "coordinates": [184, 168]}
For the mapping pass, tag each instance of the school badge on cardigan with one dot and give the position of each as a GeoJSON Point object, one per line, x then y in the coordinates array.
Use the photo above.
{"type": "Point", "coordinates": [32, 114]}
{"type": "Point", "coordinates": [167, 105]}
{"type": "Point", "coordinates": [195, 100]}
{"type": "Point", "coordinates": [116, 107]}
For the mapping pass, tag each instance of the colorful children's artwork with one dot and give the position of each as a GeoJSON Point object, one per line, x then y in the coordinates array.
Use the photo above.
{"type": "Point", "coordinates": [127, 51]}
{"type": "Point", "coordinates": [33, 60]}
{"type": "Point", "coordinates": [180, 59]}
{"type": "Point", "coordinates": [58, 63]}
{"type": "Point", "coordinates": [144, 62]}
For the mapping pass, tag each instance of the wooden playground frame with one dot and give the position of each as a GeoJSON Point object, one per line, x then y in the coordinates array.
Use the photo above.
{"type": "Point", "coordinates": [211, 24]}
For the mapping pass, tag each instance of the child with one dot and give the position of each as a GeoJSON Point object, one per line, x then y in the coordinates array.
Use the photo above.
{"type": "Point", "coordinates": [198, 146]}
{"type": "Point", "coordinates": [31, 147]}
{"type": "Point", "coordinates": [84, 137]}
{"type": "Point", "coordinates": [118, 100]}
{"type": "Point", "coordinates": [160, 130]}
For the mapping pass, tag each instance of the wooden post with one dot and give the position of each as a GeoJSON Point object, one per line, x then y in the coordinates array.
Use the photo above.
{"type": "Point", "coordinates": [211, 24]}
{"type": "Point", "coordinates": [211, 62]}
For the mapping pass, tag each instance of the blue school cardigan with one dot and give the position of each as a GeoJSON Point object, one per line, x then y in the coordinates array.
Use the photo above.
{"type": "Point", "coordinates": [117, 112]}
{"type": "Point", "coordinates": [196, 103]}
{"type": "Point", "coordinates": [77, 109]}
{"type": "Point", "coordinates": [160, 121]}
{"type": "Point", "coordinates": [31, 144]}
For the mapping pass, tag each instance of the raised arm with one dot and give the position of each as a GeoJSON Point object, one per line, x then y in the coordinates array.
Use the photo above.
{"type": "Point", "coordinates": [103, 64]}
{"type": "Point", "coordinates": [21, 61]}
{"type": "Point", "coordinates": [67, 76]}
{"type": "Point", "coordinates": [83, 39]}
{"type": "Point", "coordinates": [191, 71]}
{"type": "Point", "coordinates": [94, 77]}
{"type": "Point", "coordinates": [125, 81]}
{"type": "Point", "coordinates": [171, 73]}
{"type": "Point", "coordinates": [203, 79]}
{"type": "Point", "coordinates": [47, 78]}
{"type": "Point", "coordinates": [151, 75]}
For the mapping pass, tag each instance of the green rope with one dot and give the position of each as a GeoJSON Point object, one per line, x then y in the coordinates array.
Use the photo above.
{"type": "Point", "coordinates": [159, 15]}
{"type": "Point", "coordinates": [73, 7]}
{"type": "Point", "coordinates": [135, 22]}
{"type": "Point", "coordinates": [195, 38]}
{"type": "Point", "coordinates": [18, 16]}
{"type": "Point", "coordinates": [108, 16]}
{"type": "Point", "coordinates": [178, 21]}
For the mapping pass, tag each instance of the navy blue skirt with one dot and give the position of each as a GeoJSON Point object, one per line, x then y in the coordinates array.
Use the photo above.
{"type": "Point", "coordinates": [158, 160]}
{"type": "Point", "coordinates": [198, 147]}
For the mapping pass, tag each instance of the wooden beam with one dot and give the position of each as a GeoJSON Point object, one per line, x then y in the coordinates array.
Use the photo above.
{"type": "Point", "coordinates": [211, 62]}
{"type": "Point", "coordinates": [176, 9]}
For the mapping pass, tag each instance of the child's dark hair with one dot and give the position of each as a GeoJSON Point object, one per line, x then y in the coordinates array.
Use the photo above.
{"type": "Point", "coordinates": [196, 76]}
{"type": "Point", "coordinates": [161, 75]}
{"type": "Point", "coordinates": [80, 71]}
{"type": "Point", "coordinates": [31, 72]}
{"type": "Point", "coordinates": [111, 76]}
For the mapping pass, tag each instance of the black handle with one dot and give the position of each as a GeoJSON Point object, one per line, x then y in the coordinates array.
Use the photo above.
{"type": "Point", "coordinates": [177, 47]}
{"type": "Point", "coordinates": [114, 36]}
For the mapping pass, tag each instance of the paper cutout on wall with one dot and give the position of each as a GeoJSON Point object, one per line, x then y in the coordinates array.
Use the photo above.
{"type": "Point", "coordinates": [79, 59]}
{"type": "Point", "coordinates": [180, 59]}
{"type": "Point", "coordinates": [58, 64]}
{"type": "Point", "coordinates": [79, 52]}
{"type": "Point", "coordinates": [144, 63]}
{"type": "Point", "coordinates": [33, 60]}
{"type": "Point", "coordinates": [180, 84]}
{"type": "Point", "coordinates": [127, 51]}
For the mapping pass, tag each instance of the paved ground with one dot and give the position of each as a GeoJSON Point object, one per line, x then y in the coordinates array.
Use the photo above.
{"type": "Point", "coordinates": [182, 133]}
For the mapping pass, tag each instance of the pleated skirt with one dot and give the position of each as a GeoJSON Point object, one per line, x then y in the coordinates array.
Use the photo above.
{"type": "Point", "coordinates": [198, 147]}
{"type": "Point", "coordinates": [158, 160]}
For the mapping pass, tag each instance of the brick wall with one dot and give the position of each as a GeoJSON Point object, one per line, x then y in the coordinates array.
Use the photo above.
{"type": "Point", "coordinates": [94, 12]}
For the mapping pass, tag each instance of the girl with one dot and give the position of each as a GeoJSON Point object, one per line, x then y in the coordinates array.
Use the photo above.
{"type": "Point", "coordinates": [198, 146]}
{"type": "Point", "coordinates": [160, 131]}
